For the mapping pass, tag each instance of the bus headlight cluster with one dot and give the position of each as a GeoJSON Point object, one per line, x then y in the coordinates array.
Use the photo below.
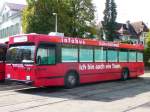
{"type": "Point", "coordinates": [8, 76]}
{"type": "Point", "coordinates": [28, 78]}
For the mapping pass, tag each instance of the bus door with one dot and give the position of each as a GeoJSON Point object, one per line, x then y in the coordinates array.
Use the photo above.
{"type": "Point", "coordinates": [47, 68]}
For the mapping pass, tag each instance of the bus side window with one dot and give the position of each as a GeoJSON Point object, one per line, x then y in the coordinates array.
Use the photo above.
{"type": "Point", "coordinates": [86, 54]}
{"type": "Point", "coordinates": [100, 54]}
{"type": "Point", "coordinates": [132, 56]}
{"type": "Point", "coordinates": [139, 57]}
{"type": "Point", "coordinates": [123, 55]}
{"type": "Point", "coordinates": [45, 56]}
{"type": "Point", "coordinates": [112, 55]}
{"type": "Point", "coordinates": [41, 56]}
{"type": "Point", "coordinates": [51, 55]}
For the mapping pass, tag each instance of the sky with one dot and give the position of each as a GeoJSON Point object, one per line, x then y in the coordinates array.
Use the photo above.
{"type": "Point", "coordinates": [132, 10]}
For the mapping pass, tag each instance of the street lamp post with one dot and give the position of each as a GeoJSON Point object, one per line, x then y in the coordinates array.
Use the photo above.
{"type": "Point", "coordinates": [55, 14]}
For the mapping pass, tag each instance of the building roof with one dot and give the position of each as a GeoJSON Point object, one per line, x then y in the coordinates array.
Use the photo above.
{"type": "Point", "coordinates": [133, 30]}
{"type": "Point", "coordinates": [125, 29]}
{"type": "Point", "coordinates": [140, 27]}
{"type": "Point", "coordinates": [15, 7]}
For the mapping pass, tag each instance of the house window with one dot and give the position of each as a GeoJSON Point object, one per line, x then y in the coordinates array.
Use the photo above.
{"type": "Point", "coordinates": [7, 32]}
{"type": "Point", "coordinates": [11, 30]}
{"type": "Point", "coordinates": [135, 42]}
{"type": "Point", "coordinates": [7, 16]}
{"type": "Point", "coordinates": [0, 33]}
{"type": "Point", "coordinates": [17, 28]}
{"type": "Point", "coordinates": [3, 18]}
{"type": "Point", "coordinates": [144, 34]}
{"type": "Point", "coordinates": [4, 32]}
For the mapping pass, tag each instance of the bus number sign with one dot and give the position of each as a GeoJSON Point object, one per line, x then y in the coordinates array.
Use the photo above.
{"type": "Point", "coordinates": [21, 39]}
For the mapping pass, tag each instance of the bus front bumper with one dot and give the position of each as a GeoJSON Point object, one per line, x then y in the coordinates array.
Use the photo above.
{"type": "Point", "coordinates": [27, 82]}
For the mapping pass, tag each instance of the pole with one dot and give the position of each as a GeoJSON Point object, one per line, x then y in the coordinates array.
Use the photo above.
{"type": "Point", "coordinates": [56, 23]}
{"type": "Point", "coordinates": [55, 14]}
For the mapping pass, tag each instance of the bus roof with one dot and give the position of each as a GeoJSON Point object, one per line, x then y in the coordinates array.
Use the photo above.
{"type": "Point", "coordinates": [36, 38]}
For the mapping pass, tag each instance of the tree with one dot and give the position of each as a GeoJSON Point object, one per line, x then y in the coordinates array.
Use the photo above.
{"type": "Point", "coordinates": [110, 15]}
{"type": "Point", "coordinates": [73, 16]}
{"type": "Point", "coordinates": [38, 16]}
{"type": "Point", "coordinates": [147, 51]}
{"type": "Point", "coordinates": [81, 15]}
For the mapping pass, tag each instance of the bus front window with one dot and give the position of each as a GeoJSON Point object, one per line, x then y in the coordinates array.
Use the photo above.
{"type": "Point", "coordinates": [21, 54]}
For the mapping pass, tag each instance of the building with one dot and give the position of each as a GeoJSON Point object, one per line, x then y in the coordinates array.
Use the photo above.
{"type": "Point", "coordinates": [10, 20]}
{"type": "Point", "coordinates": [134, 32]}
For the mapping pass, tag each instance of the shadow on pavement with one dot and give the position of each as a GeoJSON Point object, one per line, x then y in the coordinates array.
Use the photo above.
{"type": "Point", "coordinates": [104, 91]}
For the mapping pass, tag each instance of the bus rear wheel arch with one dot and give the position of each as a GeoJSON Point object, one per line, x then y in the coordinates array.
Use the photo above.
{"type": "Point", "coordinates": [71, 79]}
{"type": "Point", "coordinates": [125, 74]}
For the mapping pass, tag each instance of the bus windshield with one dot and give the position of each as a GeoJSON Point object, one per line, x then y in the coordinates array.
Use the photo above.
{"type": "Point", "coordinates": [21, 54]}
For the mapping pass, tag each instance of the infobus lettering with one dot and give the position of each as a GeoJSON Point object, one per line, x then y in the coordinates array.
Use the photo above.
{"type": "Point", "coordinates": [73, 40]}
{"type": "Point", "coordinates": [98, 66]}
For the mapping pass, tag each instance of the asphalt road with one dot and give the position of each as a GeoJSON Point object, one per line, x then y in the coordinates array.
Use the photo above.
{"type": "Point", "coordinates": [114, 96]}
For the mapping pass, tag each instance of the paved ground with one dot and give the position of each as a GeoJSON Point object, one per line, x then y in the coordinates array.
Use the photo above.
{"type": "Point", "coordinates": [115, 96]}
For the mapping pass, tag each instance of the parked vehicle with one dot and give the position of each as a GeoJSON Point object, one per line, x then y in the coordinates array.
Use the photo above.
{"type": "Point", "coordinates": [3, 48]}
{"type": "Point", "coordinates": [43, 60]}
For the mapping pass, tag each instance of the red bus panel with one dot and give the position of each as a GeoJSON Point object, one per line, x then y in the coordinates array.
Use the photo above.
{"type": "Point", "coordinates": [24, 64]}
{"type": "Point", "coordinates": [2, 61]}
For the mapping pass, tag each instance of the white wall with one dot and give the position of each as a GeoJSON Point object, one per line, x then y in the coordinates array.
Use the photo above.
{"type": "Point", "coordinates": [11, 25]}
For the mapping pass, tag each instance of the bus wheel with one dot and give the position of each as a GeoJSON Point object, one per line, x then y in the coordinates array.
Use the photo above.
{"type": "Point", "coordinates": [125, 74]}
{"type": "Point", "coordinates": [71, 80]}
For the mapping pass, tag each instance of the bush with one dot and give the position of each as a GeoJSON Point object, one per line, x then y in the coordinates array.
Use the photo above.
{"type": "Point", "coordinates": [127, 42]}
{"type": "Point", "coordinates": [147, 56]}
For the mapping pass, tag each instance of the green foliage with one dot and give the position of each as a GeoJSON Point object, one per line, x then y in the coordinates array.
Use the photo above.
{"type": "Point", "coordinates": [127, 42]}
{"type": "Point", "coordinates": [73, 16]}
{"type": "Point", "coordinates": [81, 13]}
{"type": "Point", "coordinates": [38, 18]}
{"type": "Point", "coordinates": [100, 33]}
{"type": "Point", "coordinates": [147, 51]}
{"type": "Point", "coordinates": [110, 15]}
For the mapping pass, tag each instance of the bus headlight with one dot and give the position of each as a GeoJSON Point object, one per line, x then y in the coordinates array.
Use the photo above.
{"type": "Point", "coordinates": [28, 78]}
{"type": "Point", "coordinates": [8, 76]}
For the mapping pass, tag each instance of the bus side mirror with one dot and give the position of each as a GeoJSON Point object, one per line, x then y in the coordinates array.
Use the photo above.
{"type": "Point", "coordinates": [38, 60]}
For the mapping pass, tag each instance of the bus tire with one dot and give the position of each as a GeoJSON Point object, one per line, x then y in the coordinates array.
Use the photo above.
{"type": "Point", "coordinates": [71, 80]}
{"type": "Point", "coordinates": [124, 74]}
{"type": "Point", "coordinates": [2, 81]}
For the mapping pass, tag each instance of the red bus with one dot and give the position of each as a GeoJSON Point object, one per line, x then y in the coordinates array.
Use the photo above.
{"type": "Point", "coordinates": [43, 60]}
{"type": "Point", "coordinates": [3, 48]}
